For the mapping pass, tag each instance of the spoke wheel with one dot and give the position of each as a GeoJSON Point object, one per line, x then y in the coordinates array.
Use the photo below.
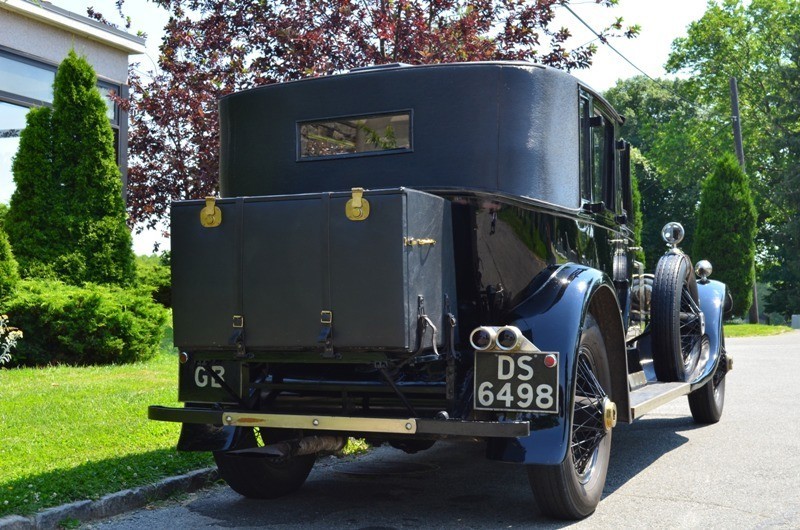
{"type": "Point", "coordinates": [677, 320]}
{"type": "Point", "coordinates": [572, 489]}
{"type": "Point", "coordinates": [588, 429]}
{"type": "Point", "coordinates": [258, 476]}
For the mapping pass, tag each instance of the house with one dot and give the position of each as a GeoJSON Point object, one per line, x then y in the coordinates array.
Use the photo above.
{"type": "Point", "coordinates": [35, 36]}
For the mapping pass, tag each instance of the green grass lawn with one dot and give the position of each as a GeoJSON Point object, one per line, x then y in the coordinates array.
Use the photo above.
{"type": "Point", "coordinates": [79, 433]}
{"type": "Point", "coordinates": [753, 330]}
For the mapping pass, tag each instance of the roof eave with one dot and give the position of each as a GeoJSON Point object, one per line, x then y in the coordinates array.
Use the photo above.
{"type": "Point", "coordinates": [62, 19]}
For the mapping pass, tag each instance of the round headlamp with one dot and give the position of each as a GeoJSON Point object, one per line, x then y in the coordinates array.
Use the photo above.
{"type": "Point", "coordinates": [673, 233]}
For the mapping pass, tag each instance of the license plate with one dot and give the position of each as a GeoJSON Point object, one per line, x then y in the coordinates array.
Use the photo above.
{"type": "Point", "coordinates": [197, 385]}
{"type": "Point", "coordinates": [511, 381]}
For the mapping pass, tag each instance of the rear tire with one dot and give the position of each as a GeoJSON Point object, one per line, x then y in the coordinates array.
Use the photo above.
{"type": "Point", "coordinates": [572, 489]}
{"type": "Point", "coordinates": [676, 319]}
{"type": "Point", "coordinates": [259, 476]}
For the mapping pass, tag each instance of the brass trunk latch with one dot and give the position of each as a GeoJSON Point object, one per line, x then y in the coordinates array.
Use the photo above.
{"type": "Point", "coordinates": [414, 242]}
{"type": "Point", "coordinates": [357, 208]}
{"type": "Point", "coordinates": [211, 215]}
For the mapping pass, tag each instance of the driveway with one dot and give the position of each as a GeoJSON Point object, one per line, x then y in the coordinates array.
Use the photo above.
{"type": "Point", "coordinates": [666, 472]}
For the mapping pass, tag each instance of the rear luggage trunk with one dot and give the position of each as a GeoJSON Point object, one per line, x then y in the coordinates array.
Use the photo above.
{"type": "Point", "coordinates": [294, 273]}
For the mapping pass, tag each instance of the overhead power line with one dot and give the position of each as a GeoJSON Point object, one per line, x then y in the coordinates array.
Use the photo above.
{"type": "Point", "coordinates": [605, 41]}
{"type": "Point", "coordinates": [659, 82]}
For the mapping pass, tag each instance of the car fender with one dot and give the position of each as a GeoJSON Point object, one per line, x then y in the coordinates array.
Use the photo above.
{"type": "Point", "coordinates": [552, 319]}
{"type": "Point", "coordinates": [712, 302]}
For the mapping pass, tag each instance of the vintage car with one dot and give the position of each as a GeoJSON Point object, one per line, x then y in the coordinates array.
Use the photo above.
{"type": "Point", "coordinates": [409, 254]}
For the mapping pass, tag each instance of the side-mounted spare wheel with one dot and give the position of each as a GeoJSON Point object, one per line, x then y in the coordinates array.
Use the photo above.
{"type": "Point", "coordinates": [676, 320]}
{"type": "Point", "coordinates": [261, 476]}
{"type": "Point", "coordinates": [572, 489]}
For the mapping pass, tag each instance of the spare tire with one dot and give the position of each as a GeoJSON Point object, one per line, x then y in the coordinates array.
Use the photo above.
{"type": "Point", "coordinates": [676, 320]}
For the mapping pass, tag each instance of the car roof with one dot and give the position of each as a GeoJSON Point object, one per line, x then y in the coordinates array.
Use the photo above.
{"type": "Point", "coordinates": [504, 128]}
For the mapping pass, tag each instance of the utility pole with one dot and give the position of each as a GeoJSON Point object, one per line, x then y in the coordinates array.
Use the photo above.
{"type": "Point", "coordinates": [737, 139]}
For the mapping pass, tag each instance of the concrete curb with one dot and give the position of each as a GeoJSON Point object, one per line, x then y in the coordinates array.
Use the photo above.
{"type": "Point", "coordinates": [112, 504]}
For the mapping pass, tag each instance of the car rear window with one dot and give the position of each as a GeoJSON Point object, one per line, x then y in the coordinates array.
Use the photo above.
{"type": "Point", "coordinates": [355, 135]}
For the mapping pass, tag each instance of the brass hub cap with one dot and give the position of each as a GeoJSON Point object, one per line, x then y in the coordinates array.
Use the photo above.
{"type": "Point", "coordinates": [609, 414]}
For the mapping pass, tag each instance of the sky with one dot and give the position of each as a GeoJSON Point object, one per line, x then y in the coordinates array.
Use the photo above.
{"type": "Point", "coordinates": [661, 22]}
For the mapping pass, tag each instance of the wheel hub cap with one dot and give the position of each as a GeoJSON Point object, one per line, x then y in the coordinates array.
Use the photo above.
{"type": "Point", "coordinates": [609, 414]}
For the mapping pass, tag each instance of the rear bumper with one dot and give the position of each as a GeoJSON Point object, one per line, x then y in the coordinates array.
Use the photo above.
{"type": "Point", "coordinates": [349, 425]}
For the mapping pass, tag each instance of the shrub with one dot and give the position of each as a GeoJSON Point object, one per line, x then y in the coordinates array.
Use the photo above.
{"type": "Point", "coordinates": [9, 275]}
{"type": "Point", "coordinates": [154, 278]}
{"type": "Point", "coordinates": [92, 324]}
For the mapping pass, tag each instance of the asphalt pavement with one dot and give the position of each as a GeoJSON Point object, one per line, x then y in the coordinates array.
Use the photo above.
{"type": "Point", "coordinates": [666, 472]}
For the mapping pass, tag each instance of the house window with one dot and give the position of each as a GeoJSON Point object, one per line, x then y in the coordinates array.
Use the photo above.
{"type": "Point", "coordinates": [20, 77]}
{"type": "Point", "coordinates": [106, 90]}
{"type": "Point", "coordinates": [12, 121]}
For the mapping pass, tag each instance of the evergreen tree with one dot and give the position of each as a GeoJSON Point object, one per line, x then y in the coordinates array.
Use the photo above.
{"type": "Point", "coordinates": [726, 230]}
{"type": "Point", "coordinates": [84, 160]}
{"type": "Point", "coordinates": [68, 202]}
{"type": "Point", "coordinates": [34, 221]}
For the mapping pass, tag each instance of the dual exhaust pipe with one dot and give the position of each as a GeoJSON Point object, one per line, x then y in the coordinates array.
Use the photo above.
{"type": "Point", "coordinates": [506, 338]}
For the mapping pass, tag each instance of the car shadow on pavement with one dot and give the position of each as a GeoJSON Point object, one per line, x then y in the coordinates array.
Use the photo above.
{"type": "Point", "coordinates": [451, 485]}
{"type": "Point", "coordinates": [637, 445]}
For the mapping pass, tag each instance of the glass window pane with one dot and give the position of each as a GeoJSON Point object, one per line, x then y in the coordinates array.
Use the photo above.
{"type": "Point", "coordinates": [105, 91]}
{"type": "Point", "coordinates": [598, 163]}
{"type": "Point", "coordinates": [355, 135]}
{"type": "Point", "coordinates": [12, 121]}
{"type": "Point", "coordinates": [26, 79]}
{"type": "Point", "coordinates": [585, 150]}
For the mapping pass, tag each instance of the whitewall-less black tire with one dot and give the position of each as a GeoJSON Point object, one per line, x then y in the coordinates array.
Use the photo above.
{"type": "Point", "coordinates": [260, 476]}
{"type": "Point", "coordinates": [676, 319]}
{"type": "Point", "coordinates": [572, 489]}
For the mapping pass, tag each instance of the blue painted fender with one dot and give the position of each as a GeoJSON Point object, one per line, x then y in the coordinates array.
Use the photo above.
{"type": "Point", "coordinates": [712, 302]}
{"type": "Point", "coordinates": [552, 318]}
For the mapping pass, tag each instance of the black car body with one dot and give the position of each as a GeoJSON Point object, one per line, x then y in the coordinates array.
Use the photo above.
{"type": "Point", "coordinates": [409, 254]}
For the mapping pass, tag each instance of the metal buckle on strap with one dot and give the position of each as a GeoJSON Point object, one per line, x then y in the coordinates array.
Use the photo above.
{"type": "Point", "coordinates": [326, 317]}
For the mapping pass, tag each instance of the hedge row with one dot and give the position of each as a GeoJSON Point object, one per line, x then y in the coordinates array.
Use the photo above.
{"type": "Point", "coordinates": [153, 277]}
{"type": "Point", "coordinates": [93, 324]}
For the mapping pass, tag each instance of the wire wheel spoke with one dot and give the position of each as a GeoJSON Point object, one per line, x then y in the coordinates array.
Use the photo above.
{"type": "Point", "coordinates": [588, 428]}
{"type": "Point", "coordinates": [690, 325]}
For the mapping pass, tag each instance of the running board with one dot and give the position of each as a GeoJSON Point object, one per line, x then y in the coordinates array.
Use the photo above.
{"type": "Point", "coordinates": [654, 395]}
